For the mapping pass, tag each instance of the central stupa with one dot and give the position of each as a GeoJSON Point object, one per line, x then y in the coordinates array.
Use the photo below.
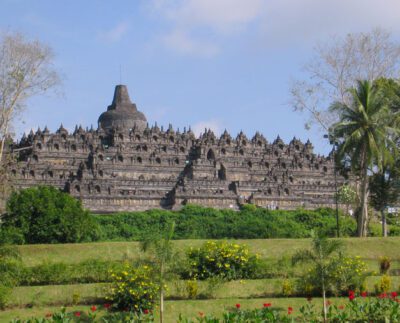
{"type": "Point", "coordinates": [122, 113]}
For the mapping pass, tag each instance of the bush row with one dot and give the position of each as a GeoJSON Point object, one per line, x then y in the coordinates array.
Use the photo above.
{"type": "Point", "coordinates": [195, 222]}
{"type": "Point", "coordinates": [46, 215]}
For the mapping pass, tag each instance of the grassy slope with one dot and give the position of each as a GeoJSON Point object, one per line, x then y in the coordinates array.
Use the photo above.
{"type": "Point", "coordinates": [94, 293]}
{"type": "Point", "coordinates": [367, 248]}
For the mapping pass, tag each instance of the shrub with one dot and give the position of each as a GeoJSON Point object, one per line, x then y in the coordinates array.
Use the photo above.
{"type": "Point", "coordinates": [222, 259]}
{"type": "Point", "coordinates": [350, 274]}
{"type": "Point", "coordinates": [46, 215]}
{"type": "Point", "coordinates": [384, 264]}
{"type": "Point", "coordinates": [5, 292]}
{"type": "Point", "coordinates": [192, 288]}
{"type": "Point", "coordinates": [287, 288]}
{"type": "Point", "coordinates": [133, 289]}
{"type": "Point", "coordinates": [195, 222]}
{"type": "Point", "coordinates": [384, 284]}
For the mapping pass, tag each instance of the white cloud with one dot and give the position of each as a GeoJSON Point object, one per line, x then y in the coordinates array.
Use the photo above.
{"type": "Point", "coordinates": [219, 15]}
{"type": "Point", "coordinates": [116, 33]}
{"type": "Point", "coordinates": [288, 22]}
{"type": "Point", "coordinates": [277, 22]}
{"type": "Point", "coordinates": [182, 43]}
{"type": "Point", "coordinates": [212, 124]}
{"type": "Point", "coordinates": [220, 18]}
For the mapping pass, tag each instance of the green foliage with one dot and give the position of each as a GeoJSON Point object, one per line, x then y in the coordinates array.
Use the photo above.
{"type": "Point", "coordinates": [221, 259]}
{"type": "Point", "coordinates": [9, 268]}
{"type": "Point", "coordinates": [384, 264]}
{"type": "Point", "coordinates": [350, 274]}
{"type": "Point", "coordinates": [133, 289]}
{"type": "Point", "coordinates": [287, 288]}
{"type": "Point", "coordinates": [196, 222]}
{"type": "Point", "coordinates": [192, 288]}
{"type": "Point", "coordinates": [383, 285]}
{"type": "Point", "coordinates": [46, 215]}
{"type": "Point", "coordinates": [236, 315]}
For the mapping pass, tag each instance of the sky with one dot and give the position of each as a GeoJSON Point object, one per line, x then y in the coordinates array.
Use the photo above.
{"type": "Point", "coordinates": [219, 64]}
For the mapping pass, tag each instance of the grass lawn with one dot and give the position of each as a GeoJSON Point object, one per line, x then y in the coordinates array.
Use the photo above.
{"type": "Point", "coordinates": [94, 293]}
{"type": "Point", "coordinates": [38, 300]}
{"type": "Point", "coordinates": [367, 248]}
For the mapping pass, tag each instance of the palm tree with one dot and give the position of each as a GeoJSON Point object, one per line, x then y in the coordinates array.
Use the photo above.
{"type": "Point", "coordinates": [365, 130]}
{"type": "Point", "coordinates": [322, 257]}
{"type": "Point", "coordinates": [163, 254]}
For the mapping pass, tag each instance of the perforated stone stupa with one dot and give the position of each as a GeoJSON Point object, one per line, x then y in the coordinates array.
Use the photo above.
{"type": "Point", "coordinates": [125, 165]}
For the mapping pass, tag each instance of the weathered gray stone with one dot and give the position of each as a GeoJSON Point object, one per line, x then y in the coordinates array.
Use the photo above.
{"type": "Point", "coordinates": [125, 165]}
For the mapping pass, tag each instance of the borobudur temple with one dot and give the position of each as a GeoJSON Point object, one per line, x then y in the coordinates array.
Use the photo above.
{"type": "Point", "coordinates": [125, 165]}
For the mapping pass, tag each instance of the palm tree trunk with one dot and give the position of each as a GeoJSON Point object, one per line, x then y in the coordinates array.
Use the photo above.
{"type": "Point", "coordinates": [161, 305]}
{"type": "Point", "coordinates": [384, 225]}
{"type": "Point", "coordinates": [362, 219]}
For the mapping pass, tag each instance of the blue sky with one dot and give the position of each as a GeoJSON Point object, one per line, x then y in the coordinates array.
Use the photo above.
{"type": "Point", "coordinates": [205, 63]}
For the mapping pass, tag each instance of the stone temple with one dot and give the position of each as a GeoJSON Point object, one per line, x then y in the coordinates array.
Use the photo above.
{"type": "Point", "coordinates": [125, 165]}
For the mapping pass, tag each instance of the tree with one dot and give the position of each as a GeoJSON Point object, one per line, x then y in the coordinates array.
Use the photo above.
{"type": "Point", "coordinates": [322, 257]}
{"type": "Point", "coordinates": [163, 253]}
{"type": "Point", "coordinates": [366, 128]}
{"type": "Point", "coordinates": [347, 195]}
{"type": "Point", "coordinates": [336, 67]}
{"type": "Point", "coordinates": [385, 189]}
{"type": "Point", "coordinates": [26, 69]}
{"type": "Point", "coordinates": [44, 214]}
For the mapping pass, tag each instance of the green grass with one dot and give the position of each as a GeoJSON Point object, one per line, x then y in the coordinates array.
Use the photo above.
{"type": "Point", "coordinates": [39, 300]}
{"type": "Point", "coordinates": [94, 293]}
{"type": "Point", "coordinates": [367, 248]}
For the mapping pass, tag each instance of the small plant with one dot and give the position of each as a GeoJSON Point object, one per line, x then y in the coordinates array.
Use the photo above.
{"type": "Point", "coordinates": [287, 288]}
{"type": "Point", "coordinates": [76, 297]}
{"type": "Point", "coordinates": [192, 288]}
{"type": "Point", "coordinates": [384, 264]}
{"type": "Point", "coordinates": [133, 289]}
{"type": "Point", "coordinates": [384, 284]}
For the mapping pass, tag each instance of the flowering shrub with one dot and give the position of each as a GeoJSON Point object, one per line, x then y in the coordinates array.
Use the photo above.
{"type": "Point", "coordinates": [350, 274]}
{"type": "Point", "coordinates": [222, 259]}
{"type": "Point", "coordinates": [133, 289]}
{"type": "Point", "coordinates": [384, 284]}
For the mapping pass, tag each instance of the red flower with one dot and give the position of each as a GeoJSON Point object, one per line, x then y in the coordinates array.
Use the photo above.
{"type": "Point", "coordinates": [237, 305]}
{"type": "Point", "coordinates": [77, 314]}
{"type": "Point", "coordinates": [93, 308]}
{"type": "Point", "coordinates": [364, 294]}
{"type": "Point", "coordinates": [341, 307]}
{"type": "Point", "coordinates": [351, 295]}
{"type": "Point", "coordinates": [289, 310]}
{"type": "Point", "coordinates": [107, 306]}
{"type": "Point", "coordinates": [146, 311]}
{"type": "Point", "coordinates": [49, 315]}
{"type": "Point", "coordinates": [267, 304]}
{"type": "Point", "coordinates": [382, 295]}
{"type": "Point", "coordinates": [393, 294]}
